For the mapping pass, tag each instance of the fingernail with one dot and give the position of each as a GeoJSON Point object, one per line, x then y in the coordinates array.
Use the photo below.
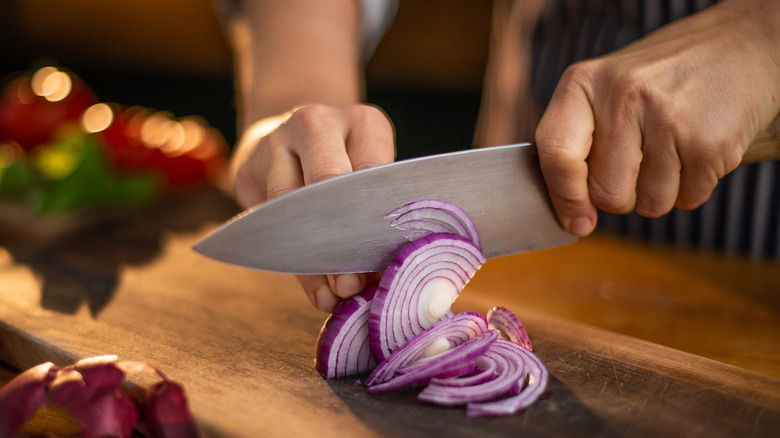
{"type": "Point", "coordinates": [580, 226]}
{"type": "Point", "coordinates": [325, 299]}
{"type": "Point", "coordinates": [347, 285]}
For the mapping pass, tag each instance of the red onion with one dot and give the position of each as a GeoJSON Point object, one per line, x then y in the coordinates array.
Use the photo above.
{"type": "Point", "coordinates": [23, 396]}
{"type": "Point", "coordinates": [91, 389]}
{"type": "Point", "coordinates": [537, 383]}
{"type": "Point", "coordinates": [427, 216]}
{"type": "Point", "coordinates": [440, 365]}
{"type": "Point", "coordinates": [342, 345]}
{"type": "Point", "coordinates": [413, 334]}
{"type": "Point", "coordinates": [503, 320]}
{"type": "Point", "coordinates": [454, 331]}
{"type": "Point", "coordinates": [510, 370]}
{"type": "Point", "coordinates": [418, 288]}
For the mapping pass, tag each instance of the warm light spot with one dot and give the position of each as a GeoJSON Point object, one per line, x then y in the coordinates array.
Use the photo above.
{"type": "Point", "coordinates": [38, 79]}
{"type": "Point", "coordinates": [97, 118]}
{"type": "Point", "coordinates": [206, 150]}
{"type": "Point", "coordinates": [154, 131]}
{"type": "Point", "coordinates": [174, 132]}
{"type": "Point", "coordinates": [51, 84]}
{"type": "Point", "coordinates": [194, 133]}
{"type": "Point", "coordinates": [57, 86]}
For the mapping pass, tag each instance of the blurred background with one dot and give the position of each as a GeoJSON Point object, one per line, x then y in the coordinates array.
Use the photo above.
{"type": "Point", "coordinates": [172, 55]}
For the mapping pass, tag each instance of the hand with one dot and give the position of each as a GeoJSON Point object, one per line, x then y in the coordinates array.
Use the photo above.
{"type": "Point", "coordinates": [662, 120]}
{"type": "Point", "coordinates": [308, 144]}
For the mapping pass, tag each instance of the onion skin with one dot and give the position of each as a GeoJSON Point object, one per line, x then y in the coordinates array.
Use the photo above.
{"type": "Point", "coordinates": [91, 389]}
{"type": "Point", "coordinates": [342, 345]}
{"type": "Point", "coordinates": [398, 312]}
{"type": "Point", "coordinates": [165, 411]}
{"type": "Point", "coordinates": [23, 396]}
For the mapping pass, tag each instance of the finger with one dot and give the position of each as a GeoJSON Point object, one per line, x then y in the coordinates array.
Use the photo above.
{"type": "Point", "coordinates": [699, 175]}
{"type": "Point", "coordinates": [346, 285]}
{"type": "Point", "coordinates": [319, 292]}
{"type": "Point", "coordinates": [284, 172]}
{"type": "Point", "coordinates": [564, 138]}
{"type": "Point", "coordinates": [371, 141]}
{"type": "Point", "coordinates": [319, 143]}
{"type": "Point", "coordinates": [659, 177]}
{"type": "Point", "coordinates": [247, 189]}
{"type": "Point", "coordinates": [616, 155]}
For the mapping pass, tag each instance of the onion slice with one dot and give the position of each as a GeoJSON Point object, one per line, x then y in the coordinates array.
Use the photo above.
{"type": "Point", "coordinates": [503, 320]}
{"type": "Point", "coordinates": [511, 373]}
{"type": "Point", "coordinates": [428, 216]}
{"type": "Point", "coordinates": [418, 288]}
{"type": "Point", "coordinates": [442, 364]}
{"type": "Point", "coordinates": [456, 330]}
{"type": "Point", "coordinates": [537, 384]}
{"type": "Point", "coordinates": [342, 345]}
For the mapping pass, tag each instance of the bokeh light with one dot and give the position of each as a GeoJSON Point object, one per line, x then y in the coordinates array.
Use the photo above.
{"type": "Point", "coordinates": [97, 118]}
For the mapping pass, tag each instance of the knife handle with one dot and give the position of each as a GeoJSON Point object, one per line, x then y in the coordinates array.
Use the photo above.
{"type": "Point", "coordinates": [766, 147]}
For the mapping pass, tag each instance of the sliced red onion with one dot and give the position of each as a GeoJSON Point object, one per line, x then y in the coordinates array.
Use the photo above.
{"type": "Point", "coordinates": [429, 216]}
{"type": "Point", "coordinates": [511, 372]}
{"type": "Point", "coordinates": [503, 320]}
{"type": "Point", "coordinates": [23, 396]}
{"type": "Point", "coordinates": [455, 331]}
{"type": "Point", "coordinates": [418, 288]}
{"type": "Point", "coordinates": [486, 369]}
{"type": "Point", "coordinates": [537, 384]}
{"type": "Point", "coordinates": [440, 365]}
{"type": "Point", "coordinates": [342, 345]}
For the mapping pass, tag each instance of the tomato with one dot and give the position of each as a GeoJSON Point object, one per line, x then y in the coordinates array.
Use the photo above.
{"type": "Point", "coordinates": [32, 119]}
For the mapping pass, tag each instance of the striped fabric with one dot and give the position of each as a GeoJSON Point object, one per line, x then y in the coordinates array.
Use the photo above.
{"type": "Point", "coordinates": [743, 214]}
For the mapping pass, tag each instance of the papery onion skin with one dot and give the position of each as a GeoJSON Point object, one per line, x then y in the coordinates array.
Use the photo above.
{"type": "Point", "coordinates": [342, 345]}
{"type": "Point", "coordinates": [23, 396]}
{"type": "Point", "coordinates": [395, 312]}
{"type": "Point", "coordinates": [166, 413]}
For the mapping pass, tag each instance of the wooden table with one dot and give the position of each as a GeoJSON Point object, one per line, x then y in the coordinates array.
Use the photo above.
{"type": "Point", "coordinates": [639, 340]}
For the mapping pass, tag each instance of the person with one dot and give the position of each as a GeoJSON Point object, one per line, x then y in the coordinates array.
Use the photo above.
{"type": "Point", "coordinates": [641, 116]}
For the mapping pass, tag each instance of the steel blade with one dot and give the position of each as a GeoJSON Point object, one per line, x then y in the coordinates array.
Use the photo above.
{"type": "Point", "coordinates": [339, 225]}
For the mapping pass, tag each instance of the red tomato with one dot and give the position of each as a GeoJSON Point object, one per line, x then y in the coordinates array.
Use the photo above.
{"type": "Point", "coordinates": [31, 120]}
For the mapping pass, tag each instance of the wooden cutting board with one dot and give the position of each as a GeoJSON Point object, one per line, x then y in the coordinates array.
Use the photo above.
{"type": "Point", "coordinates": [241, 342]}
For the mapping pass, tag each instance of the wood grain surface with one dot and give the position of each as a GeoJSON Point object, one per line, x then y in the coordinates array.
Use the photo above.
{"type": "Point", "coordinates": [609, 318]}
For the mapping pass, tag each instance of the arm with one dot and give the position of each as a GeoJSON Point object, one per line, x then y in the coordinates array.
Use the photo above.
{"type": "Point", "coordinates": [662, 120]}
{"type": "Point", "coordinates": [299, 88]}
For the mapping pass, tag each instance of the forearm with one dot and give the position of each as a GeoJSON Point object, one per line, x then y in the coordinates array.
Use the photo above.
{"type": "Point", "coordinates": [294, 52]}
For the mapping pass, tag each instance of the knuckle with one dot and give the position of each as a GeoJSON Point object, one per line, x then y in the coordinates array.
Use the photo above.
{"type": "Point", "coordinates": [309, 115]}
{"type": "Point", "coordinates": [611, 199]}
{"type": "Point", "coordinates": [557, 154]}
{"type": "Point", "coordinates": [327, 171]}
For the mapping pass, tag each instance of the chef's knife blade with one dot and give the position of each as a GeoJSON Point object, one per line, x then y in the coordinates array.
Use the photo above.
{"type": "Point", "coordinates": [339, 225]}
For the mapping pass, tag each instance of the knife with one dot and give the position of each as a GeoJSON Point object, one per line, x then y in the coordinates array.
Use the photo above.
{"type": "Point", "coordinates": [340, 226]}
